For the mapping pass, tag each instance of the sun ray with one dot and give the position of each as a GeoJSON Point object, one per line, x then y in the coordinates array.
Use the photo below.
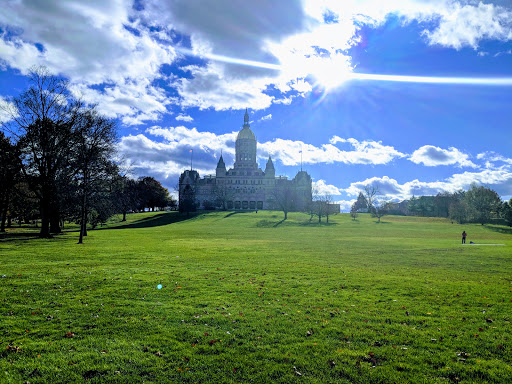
{"type": "Point", "coordinates": [331, 76]}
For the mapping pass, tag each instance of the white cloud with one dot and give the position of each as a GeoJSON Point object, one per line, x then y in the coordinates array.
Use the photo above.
{"type": "Point", "coordinates": [94, 43]}
{"type": "Point", "coordinates": [432, 156]}
{"type": "Point", "coordinates": [499, 180]}
{"type": "Point", "coordinates": [114, 54]}
{"type": "Point", "coordinates": [166, 151]}
{"type": "Point", "coordinates": [267, 117]}
{"type": "Point", "coordinates": [7, 110]}
{"type": "Point", "coordinates": [467, 25]}
{"type": "Point", "coordinates": [345, 205]}
{"type": "Point", "coordinates": [320, 188]}
{"type": "Point", "coordinates": [183, 117]}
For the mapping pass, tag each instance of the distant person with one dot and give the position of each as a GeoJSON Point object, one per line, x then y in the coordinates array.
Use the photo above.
{"type": "Point", "coordinates": [464, 235]}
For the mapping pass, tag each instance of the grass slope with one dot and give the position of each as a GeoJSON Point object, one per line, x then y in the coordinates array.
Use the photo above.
{"type": "Point", "coordinates": [248, 298]}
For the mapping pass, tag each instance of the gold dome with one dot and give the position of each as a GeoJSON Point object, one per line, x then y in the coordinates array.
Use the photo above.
{"type": "Point", "coordinates": [246, 133]}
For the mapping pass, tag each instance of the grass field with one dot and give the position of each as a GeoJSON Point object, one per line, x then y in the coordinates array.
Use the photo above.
{"type": "Point", "coordinates": [246, 297]}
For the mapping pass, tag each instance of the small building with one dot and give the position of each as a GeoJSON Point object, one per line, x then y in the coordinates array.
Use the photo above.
{"type": "Point", "coordinates": [245, 186]}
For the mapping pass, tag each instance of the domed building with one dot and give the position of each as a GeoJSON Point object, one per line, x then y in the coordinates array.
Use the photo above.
{"type": "Point", "coordinates": [245, 186]}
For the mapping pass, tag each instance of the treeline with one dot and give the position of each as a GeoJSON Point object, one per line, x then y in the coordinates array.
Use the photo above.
{"type": "Point", "coordinates": [479, 204]}
{"type": "Point", "coordinates": [57, 162]}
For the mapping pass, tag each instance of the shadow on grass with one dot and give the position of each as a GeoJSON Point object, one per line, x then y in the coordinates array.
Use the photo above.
{"type": "Point", "coordinates": [291, 223]}
{"type": "Point", "coordinates": [25, 235]}
{"type": "Point", "coordinates": [315, 223]}
{"type": "Point", "coordinates": [157, 220]}
{"type": "Point", "coordinates": [500, 229]}
{"type": "Point", "coordinates": [231, 214]}
{"type": "Point", "coordinates": [13, 236]}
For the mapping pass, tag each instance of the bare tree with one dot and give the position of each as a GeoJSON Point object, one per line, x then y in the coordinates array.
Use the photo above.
{"type": "Point", "coordinates": [94, 149]}
{"type": "Point", "coordinates": [319, 205]}
{"type": "Point", "coordinates": [223, 193]}
{"type": "Point", "coordinates": [380, 209]}
{"type": "Point", "coordinates": [327, 199]}
{"type": "Point", "coordinates": [284, 196]}
{"type": "Point", "coordinates": [42, 122]}
{"type": "Point", "coordinates": [369, 194]}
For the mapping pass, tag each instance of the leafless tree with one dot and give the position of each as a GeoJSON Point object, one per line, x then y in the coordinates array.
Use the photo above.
{"type": "Point", "coordinates": [42, 121]}
{"type": "Point", "coordinates": [284, 196]}
{"type": "Point", "coordinates": [370, 192]}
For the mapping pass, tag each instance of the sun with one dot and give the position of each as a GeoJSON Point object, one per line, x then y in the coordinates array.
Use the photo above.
{"type": "Point", "coordinates": [332, 72]}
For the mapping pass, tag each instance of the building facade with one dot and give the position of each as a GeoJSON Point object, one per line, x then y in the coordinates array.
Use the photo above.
{"type": "Point", "coordinates": [245, 186]}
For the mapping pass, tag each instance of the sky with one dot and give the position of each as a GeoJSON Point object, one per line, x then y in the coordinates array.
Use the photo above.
{"type": "Point", "coordinates": [413, 97]}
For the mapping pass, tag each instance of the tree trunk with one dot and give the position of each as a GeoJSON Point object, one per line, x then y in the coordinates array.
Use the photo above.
{"type": "Point", "coordinates": [55, 216]}
{"type": "Point", "coordinates": [86, 213]}
{"type": "Point", "coordinates": [124, 215]}
{"type": "Point", "coordinates": [44, 233]}
{"type": "Point", "coordinates": [3, 215]}
{"type": "Point", "coordinates": [55, 223]}
{"type": "Point", "coordinates": [82, 221]}
{"type": "Point", "coordinates": [285, 215]}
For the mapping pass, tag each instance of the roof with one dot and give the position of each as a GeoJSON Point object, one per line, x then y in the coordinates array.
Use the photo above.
{"type": "Point", "coordinates": [246, 133]}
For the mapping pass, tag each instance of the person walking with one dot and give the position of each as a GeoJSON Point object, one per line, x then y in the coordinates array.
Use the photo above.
{"type": "Point", "coordinates": [464, 235]}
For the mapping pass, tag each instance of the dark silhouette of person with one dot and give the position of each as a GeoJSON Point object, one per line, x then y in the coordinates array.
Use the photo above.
{"type": "Point", "coordinates": [464, 235]}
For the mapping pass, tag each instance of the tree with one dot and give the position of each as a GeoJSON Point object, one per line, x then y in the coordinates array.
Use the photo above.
{"type": "Point", "coordinates": [284, 196]}
{"type": "Point", "coordinates": [506, 212]}
{"type": "Point", "coordinates": [187, 200]}
{"type": "Point", "coordinates": [380, 209]}
{"type": "Point", "coordinates": [458, 211]}
{"type": "Point", "coordinates": [223, 193]}
{"type": "Point", "coordinates": [484, 202]}
{"type": "Point", "coordinates": [327, 199]}
{"type": "Point", "coordinates": [361, 204]}
{"type": "Point", "coordinates": [9, 174]}
{"type": "Point", "coordinates": [320, 205]}
{"type": "Point", "coordinates": [152, 193]}
{"type": "Point", "coordinates": [42, 121]}
{"type": "Point", "coordinates": [353, 211]}
{"type": "Point", "coordinates": [442, 203]}
{"type": "Point", "coordinates": [369, 194]}
{"type": "Point", "coordinates": [93, 164]}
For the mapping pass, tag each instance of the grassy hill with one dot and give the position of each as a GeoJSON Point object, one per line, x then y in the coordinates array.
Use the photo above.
{"type": "Point", "coordinates": [245, 297]}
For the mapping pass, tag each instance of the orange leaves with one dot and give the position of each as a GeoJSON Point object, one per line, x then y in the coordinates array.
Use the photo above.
{"type": "Point", "coordinates": [69, 335]}
{"type": "Point", "coordinates": [13, 348]}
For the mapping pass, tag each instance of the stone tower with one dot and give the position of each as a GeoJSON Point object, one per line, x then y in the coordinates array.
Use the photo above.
{"type": "Point", "coordinates": [245, 147]}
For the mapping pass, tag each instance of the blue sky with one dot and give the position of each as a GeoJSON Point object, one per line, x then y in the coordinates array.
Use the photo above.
{"type": "Point", "coordinates": [337, 80]}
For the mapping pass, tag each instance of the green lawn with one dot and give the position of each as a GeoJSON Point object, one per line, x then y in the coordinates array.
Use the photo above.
{"type": "Point", "coordinates": [246, 297]}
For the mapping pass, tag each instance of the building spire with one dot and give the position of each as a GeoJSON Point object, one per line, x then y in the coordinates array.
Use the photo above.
{"type": "Point", "coordinates": [246, 118]}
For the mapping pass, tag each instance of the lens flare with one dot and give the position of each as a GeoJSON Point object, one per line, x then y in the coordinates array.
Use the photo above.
{"type": "Point", "coordinates": [333, 73]}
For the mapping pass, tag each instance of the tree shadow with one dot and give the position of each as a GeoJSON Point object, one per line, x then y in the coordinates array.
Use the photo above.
{"type": "Point", "coordinates": [13, 236]}
{"type": "Point", "coordinates": [279, 223]}
{"type": "Point", "coordinates": [157, 220]}
{"type": "Point", "coordinates": [231, 214]}
{"type": "Point", "coordinates": [500, 229]}
{"type": "Point", "coordinates": [315, 223]}
{"type": "Point", "coordinates": [9, 236]}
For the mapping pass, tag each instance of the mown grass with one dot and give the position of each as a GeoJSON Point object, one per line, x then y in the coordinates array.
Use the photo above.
{"type": "Point", "coordinates": [248, 298]}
